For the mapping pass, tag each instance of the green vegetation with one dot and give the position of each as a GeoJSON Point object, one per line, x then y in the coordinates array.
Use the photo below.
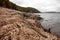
{"type": "Point", "coordinates": [8, 4]}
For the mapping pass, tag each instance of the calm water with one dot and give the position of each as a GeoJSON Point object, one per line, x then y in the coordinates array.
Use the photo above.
{"type": "Point", "coordinates": [51, 21]}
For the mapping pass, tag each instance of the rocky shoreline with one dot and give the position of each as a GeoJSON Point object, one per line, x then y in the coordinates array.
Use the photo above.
{"type": "Point", "coordinates": [16, 25]}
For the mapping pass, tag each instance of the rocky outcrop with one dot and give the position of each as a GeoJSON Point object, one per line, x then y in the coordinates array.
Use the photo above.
{"type": "Point", "coordinates": [15, 25]}
{"type": "Point", "coordinates": [8, 4]}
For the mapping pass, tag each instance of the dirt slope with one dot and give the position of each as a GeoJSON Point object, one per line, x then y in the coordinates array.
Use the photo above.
{"type": "Point", "coordinates": [15, 25]}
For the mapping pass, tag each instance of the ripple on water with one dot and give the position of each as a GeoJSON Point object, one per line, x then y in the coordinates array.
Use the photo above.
{"type": "Point", "coordinates": [51, 20]}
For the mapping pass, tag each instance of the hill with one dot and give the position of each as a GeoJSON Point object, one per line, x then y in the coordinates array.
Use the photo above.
{"type": "Point", "coordinates": [8, 4]}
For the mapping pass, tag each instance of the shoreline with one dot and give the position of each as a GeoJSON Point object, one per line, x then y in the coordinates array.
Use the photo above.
{"type": "Point", "coordinates": [17, 25]}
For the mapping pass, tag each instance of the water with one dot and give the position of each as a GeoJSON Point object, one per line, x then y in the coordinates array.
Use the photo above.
{"type": "Point", "coordinates": [51, 21]}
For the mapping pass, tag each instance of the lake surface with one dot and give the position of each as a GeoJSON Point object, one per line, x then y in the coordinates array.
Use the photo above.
{"type": "Point", "coordinates": [51, 21]}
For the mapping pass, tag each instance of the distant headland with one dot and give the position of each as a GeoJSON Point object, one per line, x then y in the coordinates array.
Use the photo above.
{"type": "Point", "coordinates": [8, 4]}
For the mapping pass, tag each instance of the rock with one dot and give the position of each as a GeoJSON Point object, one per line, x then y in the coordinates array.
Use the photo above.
{"type": "Point", "coordinates": [15, 25]}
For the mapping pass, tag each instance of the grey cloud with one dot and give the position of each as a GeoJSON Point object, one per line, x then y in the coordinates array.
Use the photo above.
{"type": "Point", "coordinates": [42, 5]}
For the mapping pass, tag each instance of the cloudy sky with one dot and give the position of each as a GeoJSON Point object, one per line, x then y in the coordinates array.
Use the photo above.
{"type": "Point", "coordinates": [42, 5]}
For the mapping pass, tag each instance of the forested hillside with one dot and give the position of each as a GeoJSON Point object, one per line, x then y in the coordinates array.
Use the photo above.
{"type": "Point", "coordinates": [8, 4]}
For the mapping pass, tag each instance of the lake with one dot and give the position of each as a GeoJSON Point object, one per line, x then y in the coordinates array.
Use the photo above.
{"type": "Point", "coordinates": [51, 21]}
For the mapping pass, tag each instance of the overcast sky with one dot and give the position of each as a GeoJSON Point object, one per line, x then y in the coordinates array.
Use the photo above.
{"type": "Point", "coordinates": [42, 5]}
